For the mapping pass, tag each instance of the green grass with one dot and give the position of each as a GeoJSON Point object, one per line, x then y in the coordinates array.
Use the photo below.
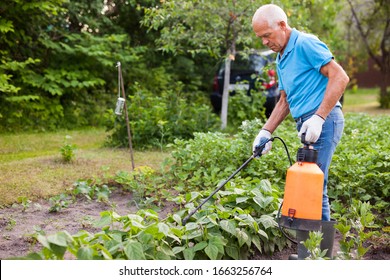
{"type": "Point", "coordinates": [361, 96]}
{"type": "Point", "coordinates": [29, 145]}
{"type": "Point", "coordinates": [364, 100]}
{"type": "Point", "coordinates": [31, 163]}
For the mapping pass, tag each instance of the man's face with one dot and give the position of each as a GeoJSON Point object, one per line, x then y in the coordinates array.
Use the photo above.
{"type": "Point", "coordinates": [275, 39]}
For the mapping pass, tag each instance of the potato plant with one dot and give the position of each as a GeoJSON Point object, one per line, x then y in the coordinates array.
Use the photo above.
{"type": "Point", "coordinates": [240, 218]}
{"type": "Point", "coordinates": [237, 222]}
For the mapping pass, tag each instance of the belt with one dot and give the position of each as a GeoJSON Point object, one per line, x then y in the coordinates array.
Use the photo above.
{"type": "Point", "coordinates": [309, 114]}
{"type": "Point", "coordinates": [305, 116]}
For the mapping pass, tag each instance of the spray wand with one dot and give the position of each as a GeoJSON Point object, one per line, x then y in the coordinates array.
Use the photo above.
{"type": "Point", "coordinates": [256, 153]}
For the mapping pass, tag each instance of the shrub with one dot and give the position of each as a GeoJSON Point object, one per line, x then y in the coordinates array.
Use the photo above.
{"type": "Point", "coordinates": [158, 119]}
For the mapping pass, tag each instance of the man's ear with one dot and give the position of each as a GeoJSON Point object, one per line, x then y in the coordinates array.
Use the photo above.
{"type": "Point", "coordinates": [282, 25]}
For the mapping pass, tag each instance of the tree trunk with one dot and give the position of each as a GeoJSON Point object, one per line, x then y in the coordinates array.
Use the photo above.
{"type": "Point", "coordinates": [225, 95]}
{"type": "Point", "coordinates": [384, 94]}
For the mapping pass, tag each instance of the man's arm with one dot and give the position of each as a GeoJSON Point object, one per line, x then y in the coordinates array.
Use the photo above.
{"type": "Point", "coordinates": [278, 114]}
{"type": "Point", "coordinates": [337, 83]}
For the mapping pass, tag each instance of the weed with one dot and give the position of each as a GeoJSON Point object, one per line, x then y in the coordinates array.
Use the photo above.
{"type": "Point", "coordinates": [355, 229]}
{"type": "Point", "coordinates": [25, 202]}
{"type": "Point", "coordinates": [68, 150]}
{"type": "Point", "coordinates": [58, 202]}
{"type": "Point", "coordinates": [313, 246]}
{"type": "Point", "coordinates": [11, 223]}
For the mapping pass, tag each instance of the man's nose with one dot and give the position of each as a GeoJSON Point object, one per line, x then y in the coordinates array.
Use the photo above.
{"type": "Point", "coordinates": [265, 41]}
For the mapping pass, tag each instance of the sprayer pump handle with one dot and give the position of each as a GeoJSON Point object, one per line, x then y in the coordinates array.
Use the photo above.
{"type": "Point", "coordinates": [303, 140]}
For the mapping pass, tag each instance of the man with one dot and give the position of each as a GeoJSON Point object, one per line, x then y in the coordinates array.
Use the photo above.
{"type": "Point", "coordinates": [311, 84]}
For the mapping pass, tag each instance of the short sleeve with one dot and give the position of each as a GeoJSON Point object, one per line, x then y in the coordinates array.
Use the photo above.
{"type": "Point", "coordinates": [315, 51]}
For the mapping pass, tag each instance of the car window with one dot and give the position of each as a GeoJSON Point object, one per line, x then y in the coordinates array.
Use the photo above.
{"type": "Point", "coordinates": [252, 63]}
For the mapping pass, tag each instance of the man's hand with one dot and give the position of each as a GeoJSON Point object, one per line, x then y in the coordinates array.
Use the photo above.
{"type": "Point", "coordinates": [262, 137]}
{"type": "Point", "coordinates": [313, 128]}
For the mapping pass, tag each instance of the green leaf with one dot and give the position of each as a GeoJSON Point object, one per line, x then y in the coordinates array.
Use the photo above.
{"type": "Point", "coordinates": [177, 219]}
{"type": "Point", "coordinates": [242, 237]}
{"type": "Point", "coordinates": [263, 233]}
{"type": "Point", "coordinates": [163, 228]}
{"type": "Point", "coordinates": [211, 251]}
{"type": "Point", "coordinates": [241, 199]}
{"type": "Point", "coordinates": [200, 246]}
{"type": "Point", "coordinates": [134, 250]}
{"type": "Point", "coordinates": [232, 250]}
{"type": "Point", "coordinates": [105, 219]}
{"type": "Point", "coordinates": [191, 226]}
{"type": "Point", "coordinates": [176, 250]}
{"type": "Point", "coordinates": [267, 221]}
{"type": "Point", "coordinates": [228, 226]}
{"type": "Point", "coordinates": [263, 202]}
{"type": "Point", "coordinates": [189, 254]}
{"type": "Point", "coordinates": [164, 248]}
{"type": "Point", "coordinates": [219, 242]}
{"type": "Point", "coordinates": [85, 253]}
{"type": "Point", "coordinates": [265, 186]}
{"type": "Point", "coordinates": [256, 241]}
{"type": "Point", "coordinates": [239, 191]}
{"type": "Point", "coordinates": [59, 239]}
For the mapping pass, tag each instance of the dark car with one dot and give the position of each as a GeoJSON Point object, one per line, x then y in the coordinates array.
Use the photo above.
{"type": "Point", "coordinates": [245, 74]}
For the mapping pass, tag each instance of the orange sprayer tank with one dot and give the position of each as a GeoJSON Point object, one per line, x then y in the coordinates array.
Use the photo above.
{"type": "Point", "coordinates": [303, 191]}
{"type": "Point", "coordinates": [302, 202]}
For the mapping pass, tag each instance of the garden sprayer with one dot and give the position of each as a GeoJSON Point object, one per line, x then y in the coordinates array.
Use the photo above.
{"type": "Point", "coordinates": [301, 209]}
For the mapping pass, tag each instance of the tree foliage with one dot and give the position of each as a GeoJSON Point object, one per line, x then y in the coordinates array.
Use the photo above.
{"type": "Point", "coordinates": [58, 57]}
{"type": "Point", "coordinates": [370, 21]}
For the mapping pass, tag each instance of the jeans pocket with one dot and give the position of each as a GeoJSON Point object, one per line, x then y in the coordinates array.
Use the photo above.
{"type": "Point", "coordinates": [338, 127]}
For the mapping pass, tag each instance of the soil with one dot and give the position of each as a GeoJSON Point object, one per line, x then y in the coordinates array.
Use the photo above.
{"type": "Point", "coordinates": [18, 225]}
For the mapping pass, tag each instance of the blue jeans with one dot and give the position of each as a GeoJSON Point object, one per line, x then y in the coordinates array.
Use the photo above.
{"type": "Point", "coordinates": [332, 130]}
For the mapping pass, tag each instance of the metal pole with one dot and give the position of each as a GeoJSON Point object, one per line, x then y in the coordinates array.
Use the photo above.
{"type": "Point", "coordinates": [126, 116]}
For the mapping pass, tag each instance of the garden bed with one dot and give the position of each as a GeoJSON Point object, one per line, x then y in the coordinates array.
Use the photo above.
{"type": "Point", "coordinates": [19, 224]}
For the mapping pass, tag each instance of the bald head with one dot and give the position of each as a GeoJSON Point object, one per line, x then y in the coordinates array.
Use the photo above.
{"type": "Point", "coordinates": [271, 14]}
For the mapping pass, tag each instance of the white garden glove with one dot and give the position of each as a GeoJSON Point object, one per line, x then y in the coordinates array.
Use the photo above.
{"type": "Point", "coordinates": [262, 137]}
{"type": "Point", "coordinates": [313, 128]}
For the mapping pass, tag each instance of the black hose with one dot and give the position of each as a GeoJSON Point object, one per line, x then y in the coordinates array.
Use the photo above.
{"type": "Point", "coordinates": [280, 208]}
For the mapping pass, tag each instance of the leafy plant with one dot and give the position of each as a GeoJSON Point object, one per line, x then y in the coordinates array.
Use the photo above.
{"type": "Point", "coordinates": [58, 202]}
{"type": "Point", "coordinates": [68, 150]}
{"type": "Point", "coordinates": [91, 190]}
{"type": "Point", "coordinates": [142, 183]}
{"type": "Point", "coordinates": [11, 223]}
{"type": "Point", "coordinates": [25, 202]}
{"type": "Point", "coordinates": [157, 120]}
{"type": "Point", "coordinates": [313, 246]}
{"type": "Point", "coordinates": [219, 231]}
{"type": "Point", "coordinates": [364, 146]}
{"type": "Point", "coordinates": [356, 228]}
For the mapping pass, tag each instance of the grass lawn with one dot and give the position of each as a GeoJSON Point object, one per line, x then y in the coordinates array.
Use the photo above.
{"type": "Point", "coordinates": [364, 100]}
{"type": "Point", "coordinates": [31, 163]}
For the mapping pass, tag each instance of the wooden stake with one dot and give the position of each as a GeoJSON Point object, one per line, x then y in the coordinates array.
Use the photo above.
{"type": "Point", "coordinates": [126, 116]}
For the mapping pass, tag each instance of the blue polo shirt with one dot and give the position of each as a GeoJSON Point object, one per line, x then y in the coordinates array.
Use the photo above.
{"type": "Point", "coordinates": [299, 72]}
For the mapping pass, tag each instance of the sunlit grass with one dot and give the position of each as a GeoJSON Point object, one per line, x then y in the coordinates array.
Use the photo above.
{"type": "Point", "coordinates": [364, 100]}
{"type": "Point", "coordinates": [31, 164]}
{"type": "Point", "coordinates": [27, 145]}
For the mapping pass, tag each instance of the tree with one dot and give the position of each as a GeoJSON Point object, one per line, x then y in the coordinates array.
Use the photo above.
{"type": "Point", "coordinates": [371, 18]}
{"type": "Point", "coordinates": [204, 27]}
{"type": "Point", "coordinates": [58, 63]}
{"type": "Point", "coordinates": [219, 28]}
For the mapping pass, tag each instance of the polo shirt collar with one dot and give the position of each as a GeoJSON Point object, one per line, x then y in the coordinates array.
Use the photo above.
{"type": "Point", "coordinates": [290, 44]}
